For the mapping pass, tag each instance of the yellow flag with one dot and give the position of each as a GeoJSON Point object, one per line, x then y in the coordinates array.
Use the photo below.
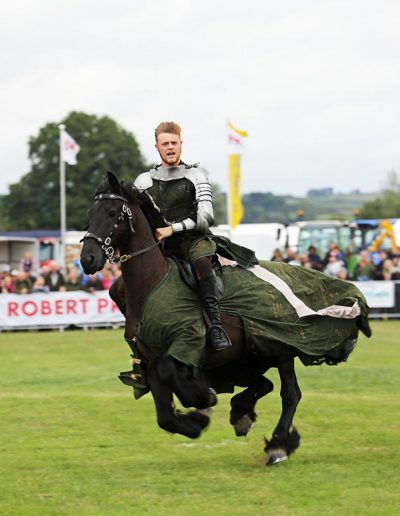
{"type": "Point", "coordinates": [235, 140]}
{"type": "Point", "coordinates": [235, 183]}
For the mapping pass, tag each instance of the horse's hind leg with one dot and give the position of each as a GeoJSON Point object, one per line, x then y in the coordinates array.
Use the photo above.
{"type": "Point", "coordinates": [243, 416]}
{"type": "Point", "coordinates": [190, 425]}
{"type": "Point", "coordinates": [284, 440]}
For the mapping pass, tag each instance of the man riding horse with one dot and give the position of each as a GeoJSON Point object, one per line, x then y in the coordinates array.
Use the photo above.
{"type": "Point", "coordinates": [273, 312]}
{"type": "Point", "coordinates": [183, 195]}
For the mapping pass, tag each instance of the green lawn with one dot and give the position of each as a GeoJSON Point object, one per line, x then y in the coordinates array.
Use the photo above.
{"type": "Point", "coordinates": [74, 441]}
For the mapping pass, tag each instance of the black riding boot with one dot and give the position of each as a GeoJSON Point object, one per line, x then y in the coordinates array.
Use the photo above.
{"type": "Point", "coordinates": [210, 296]}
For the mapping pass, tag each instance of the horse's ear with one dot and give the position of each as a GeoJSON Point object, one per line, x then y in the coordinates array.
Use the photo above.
{"type": "Point", "coordinates": [127, 189]}
{"type": "Point", "coordinates": [113, 181]}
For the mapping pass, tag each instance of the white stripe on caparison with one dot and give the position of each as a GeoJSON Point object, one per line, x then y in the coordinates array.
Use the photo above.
{"type": "Point", "coordinates": [302, 310]}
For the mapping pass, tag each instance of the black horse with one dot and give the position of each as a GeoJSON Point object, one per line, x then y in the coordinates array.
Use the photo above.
{"type": "Point", "coordinates": [123, 219]}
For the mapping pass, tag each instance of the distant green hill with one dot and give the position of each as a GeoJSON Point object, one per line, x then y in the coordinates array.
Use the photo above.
{"type": "Point", "coordinates": [267, 207]}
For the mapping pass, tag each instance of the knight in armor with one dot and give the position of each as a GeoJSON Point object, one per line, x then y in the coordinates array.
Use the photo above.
{"type": "Point", "coordinates": [183, 195]}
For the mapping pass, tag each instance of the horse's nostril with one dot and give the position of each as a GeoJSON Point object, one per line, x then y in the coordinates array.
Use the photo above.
{"type": "Point", "coordinates": [87, 261]}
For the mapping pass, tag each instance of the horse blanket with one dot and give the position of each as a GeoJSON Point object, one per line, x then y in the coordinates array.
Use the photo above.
{"type": "Point", "coordinates": [278, 304]}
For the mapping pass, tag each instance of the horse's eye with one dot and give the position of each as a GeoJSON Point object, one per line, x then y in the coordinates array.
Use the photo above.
{"type": "Point", "coordinates": [112, 213]}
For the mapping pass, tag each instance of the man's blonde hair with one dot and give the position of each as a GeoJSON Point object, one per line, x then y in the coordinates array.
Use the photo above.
{"type": "Point", "coordinates": [167, 127]}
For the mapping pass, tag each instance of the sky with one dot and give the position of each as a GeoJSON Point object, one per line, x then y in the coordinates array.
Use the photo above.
{"type": "Point", "coordinates": [316, 83]}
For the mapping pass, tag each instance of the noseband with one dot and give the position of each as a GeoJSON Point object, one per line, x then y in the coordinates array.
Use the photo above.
{"type": "Point", "coordinates": [105, 243]}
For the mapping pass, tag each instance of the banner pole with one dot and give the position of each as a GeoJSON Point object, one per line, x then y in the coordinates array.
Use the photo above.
{"type": "Point", "coordinates": [63, 216]}
{"type": "Point", "coordinates": [229, 194]}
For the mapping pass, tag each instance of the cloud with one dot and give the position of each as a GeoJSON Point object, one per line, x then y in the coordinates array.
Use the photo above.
{"type": "Point", "coordinates": [316, 84]}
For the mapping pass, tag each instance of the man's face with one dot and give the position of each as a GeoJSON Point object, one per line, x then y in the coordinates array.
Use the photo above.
{"type": "Point", "coordinates": [169, 149]}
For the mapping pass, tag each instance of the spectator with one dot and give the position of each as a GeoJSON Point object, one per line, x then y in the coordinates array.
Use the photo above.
{"type": "Point", "coordinates": [40, 285]}
{"type": "Point", "coordinates": [108, 278]}
{"type": "Point", "coordinates": [73, 281]}
{"type": "Point", "coordinates": [93, 282]}
{"type": "Point", "coordinates": [395, 270]}
{"type": "Point", "coordinates": [76, 262]}
{"type": "Point", "coordinates": [277, 256]}
{"type": "Point", "coordinates": [314, 258]}
{"type": "Point", "coordinates": [387, 270]}
{"type": "Point", "coordinates": [333, 249]}
{"type": "Point", "coordinates": [383, 267]}
{"type": "Point", "coordinates": [365, 269]}
{"type": "Point", "coordinates": [303, 259]}
{"type": "Point", "coordinates": [335, 266]}
{"type": "Point", "coordinates": [291, 257]}
{"type": "Point", "coordinates": [115, 268]}
{"type": "Point", "coordinates": [53, 277]}
{"type": "Point", "coordinates": [343, 274]}
{"type": "Point", "coordinates": [3, 288]}
{"type": "Point", "coordinates": [27, 263]}
{"type": "Point", "coordinates": [117, 273]}
{"type": "Point", "coordinates": [7, 284]}
{"type": "Point", "coordinates": [23, 283]}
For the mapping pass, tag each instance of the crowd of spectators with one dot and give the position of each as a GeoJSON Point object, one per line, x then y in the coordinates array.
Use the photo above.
{"type": "Point", "coordinates": [361, 266]}
{"type": "Point", "coordinates": [50, 278]}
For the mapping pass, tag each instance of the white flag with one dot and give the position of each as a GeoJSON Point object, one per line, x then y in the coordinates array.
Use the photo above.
{"type": "Point", "coordinates": [69, 148]}
{"type": "Point", "coordinates": [235, 139]}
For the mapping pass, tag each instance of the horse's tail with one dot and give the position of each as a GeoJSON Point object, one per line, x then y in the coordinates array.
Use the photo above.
{"type": "Point", "coordinates": [333, 356]}
{"type": "Point", "coordinates": [341, 353]}
{"type": "Point", "coordinates": [363, 325]}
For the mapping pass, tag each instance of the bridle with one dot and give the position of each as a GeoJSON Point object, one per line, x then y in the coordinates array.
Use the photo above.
{"type": "Point", "coordinates": [109, 251]}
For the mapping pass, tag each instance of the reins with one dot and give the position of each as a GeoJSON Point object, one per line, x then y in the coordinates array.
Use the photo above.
{"type": "Point", "coordinates": [126, 257]}
{"type": "Point", "coordinates": [105, 243]}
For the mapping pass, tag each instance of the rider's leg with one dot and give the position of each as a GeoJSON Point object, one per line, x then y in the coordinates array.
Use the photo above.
{"type": "Point", "coordinates": [210, 296]}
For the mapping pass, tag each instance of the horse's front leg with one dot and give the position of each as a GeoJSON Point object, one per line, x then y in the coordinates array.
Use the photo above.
{"type": "Point", "coordinates": [284, 439]}
{"type": "Point", "coordinates": [117, 294]}
{"type": "Point", "coordinates": [243, 415]}
{"type": "Point", "coordinates": [189, 425]}
{"type": "Point", "coordinates": [191, 391]}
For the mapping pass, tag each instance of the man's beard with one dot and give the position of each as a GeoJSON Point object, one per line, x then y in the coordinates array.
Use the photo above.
{"type": "Point", "coordinates": [173, 161]}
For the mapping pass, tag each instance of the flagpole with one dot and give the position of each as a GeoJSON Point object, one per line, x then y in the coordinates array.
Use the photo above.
{"type": "Point", "coordinates": [63, 216]}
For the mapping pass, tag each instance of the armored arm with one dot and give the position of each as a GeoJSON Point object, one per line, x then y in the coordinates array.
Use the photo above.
{"type": "Point", "coordinates": [203, 201]}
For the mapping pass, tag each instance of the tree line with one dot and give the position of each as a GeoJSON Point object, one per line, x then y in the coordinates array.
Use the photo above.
{"type": "Point", "coordinates": [33, 202]}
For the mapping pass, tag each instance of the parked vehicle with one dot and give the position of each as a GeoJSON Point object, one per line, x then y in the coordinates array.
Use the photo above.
{"type": "Point", "coordinates": [376, 234]}
{"type": "Point", "coordinates": [319, 233]}
{"type": "Point", "coordinates": [13, 250]}
{"type": "Point", "coordinates": [48, 244]}
{"type": "Point", "coordinates": [261, 238]}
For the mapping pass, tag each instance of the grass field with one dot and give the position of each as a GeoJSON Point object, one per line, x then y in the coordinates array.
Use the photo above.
{"type": "Point", "coordinates": [74, 441]}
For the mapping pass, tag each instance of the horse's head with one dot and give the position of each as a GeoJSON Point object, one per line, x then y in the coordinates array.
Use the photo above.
{"type": "Point", "coordinates": [110, 221]}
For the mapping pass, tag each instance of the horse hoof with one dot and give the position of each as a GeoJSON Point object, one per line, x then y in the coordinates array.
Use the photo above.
{"type": "Point", "coordinates": [276, 456]}
{"type": "Point", "coordinates": [206, 412]}
{"type": "Point", "coordinates": [200, 418]}
{"type": "Point", "coordinates": [243, 425]}
{"type": "Point", "coordinates": [212, 398]}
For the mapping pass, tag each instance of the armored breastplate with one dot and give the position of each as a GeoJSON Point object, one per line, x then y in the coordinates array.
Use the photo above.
{"type": "Point", "coordinates": [176, 199]}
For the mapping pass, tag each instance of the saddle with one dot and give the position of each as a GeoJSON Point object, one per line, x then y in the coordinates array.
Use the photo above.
{"type": "Point", "coordinates": [188, 274]}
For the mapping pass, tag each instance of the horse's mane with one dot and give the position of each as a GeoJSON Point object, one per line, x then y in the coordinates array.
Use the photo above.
{"type": "Point", "coordinates": [111, 184]}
